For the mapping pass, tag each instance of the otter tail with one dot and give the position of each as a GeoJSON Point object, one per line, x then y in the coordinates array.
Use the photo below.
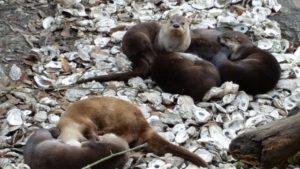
{"type": "Point", "coordinates": [160, 146]}
{"type": "Point", "coordinates": [141, 70]}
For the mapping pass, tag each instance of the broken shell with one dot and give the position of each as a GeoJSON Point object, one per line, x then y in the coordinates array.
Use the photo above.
{"type": "Point", "coordinates": [272, 4]}
{"type": "Point", "coordinates": [256, 2]}
{"type": "Point", "coordinates": [53, 119]}
{"type": "Point", "coordinates": [15, 73]}
{"type": "Point", "coordinates": [181, 136]}
{"type": "Point", "coordinates": [117, 36]}
{"type": "Point", "coordinates": [137, 83]}
{"type": "Point", "coordinates": [14, 117]}
{"type": "Point", "coordinates": [156, 163]}
{"type": "Point", "coordinates": [54, 65]}
{"type": "Point", "coordinates": [101, 41]}
{"type": "Point", "coordinates": [201, 115]}
{"type": "Point", "coordinates": [48, 22]}
{"type": "Point", "coordinates": [40, 116]}
{"type": "Point", "coordinates": [228, 98]}
{"type": "Point", "coordinates": [265, 44]}
{"type": "Point", "coordinates": [202, 4]}
{"type": "Point", "coordinates": [217, 134]}
{"type": "Point", "coordinates": [43, 81]}
{"type": "Point", "coordinates": [241, 28]}
{"type": "Point", "coordinates": [258, 120]}
{"type": "Point", "coordinates": [222, 3]}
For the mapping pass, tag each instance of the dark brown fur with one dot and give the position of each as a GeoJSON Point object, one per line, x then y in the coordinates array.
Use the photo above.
{"type": "Point", "coordinates": [205, 43]}
{"type": "Point", "coordinates": [141, 42]}
{"type": "Point", "coordinates": [177, 74]}
{"type": "Point", "coordinates": [42, 151]}
{"type": "Point", "coordinates": [255, 70]}
{"type": "Point", "coordinates": [88, 117]}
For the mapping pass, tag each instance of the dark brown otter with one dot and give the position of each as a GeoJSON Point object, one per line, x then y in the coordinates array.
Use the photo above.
{"type": "Point", "coordinates": [86, 118]}
{"type": "Point", "coordinates": [204, 43]}
{"type": "Point", "coordinates": [42, 151]}
{"type": "Point", "coordinates": [184, 73]}
{"type": "Point", "coordinates": [255, 70]}
{"type": "Point", "coordinates": [141, 42]}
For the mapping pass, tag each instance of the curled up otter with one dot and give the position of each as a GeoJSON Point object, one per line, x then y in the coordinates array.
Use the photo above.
{"type": "Point", "coordinates": [99, 115]}
{"type": "Point", "coordinates": [141, 42]}
{"type": "Point", "coordinates": [240, 61]}
{"type": "Point", "coordinates": [43, 151]}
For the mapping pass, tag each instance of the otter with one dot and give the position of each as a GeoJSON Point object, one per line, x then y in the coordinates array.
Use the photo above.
{"type": "Point", "coordinates": [205, 43]}
{"type": "Point", "coordinates": [43, 151]}
{"type": "Point", "coordinates": [240, 61]}
{"type": "Point", "coordinates": [87, 118]}
{"type": "Point", "coordinates": [184, 73]}
{"type": "Point", "coordinates": [141, 42]}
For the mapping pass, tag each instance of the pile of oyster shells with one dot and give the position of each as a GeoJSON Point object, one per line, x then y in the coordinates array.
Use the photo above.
{"type": "Point", "coordinates": [205, 127]}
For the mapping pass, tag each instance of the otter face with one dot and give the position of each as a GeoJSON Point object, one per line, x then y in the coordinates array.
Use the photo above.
{"type": "Point", "coordinates": [178, 25]}
{"type": "Point", "coordinates": [233, 40]}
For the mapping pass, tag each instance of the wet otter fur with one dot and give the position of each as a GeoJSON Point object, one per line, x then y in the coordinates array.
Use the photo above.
{"type": "Point", "coordinates": [141, 42]}
{"type": "Point", "coordinates": [255, 70]}
{"type": "Point", "coordinates": [183, 73]}
{"type": "Point", "coordinates": [43, 151]}
{"type": "Point", "coordinates": [87, 118]}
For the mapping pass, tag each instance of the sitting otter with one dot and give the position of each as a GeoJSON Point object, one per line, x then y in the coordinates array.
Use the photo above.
{"type": "Point", "coordinates": [184, 73]}
{"type": "Point", "coordinates": [42, 151]}
{"type": "Point", "coordinates": [141, 42]}
{"type": "Point", "coordinates": [255, 70]}
{"type": "Point", "coordinates": [89, 117]}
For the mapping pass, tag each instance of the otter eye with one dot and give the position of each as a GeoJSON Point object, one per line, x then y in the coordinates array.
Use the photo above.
{"type": "Point", "coordinates": [182, 23]}
{"type": "Point", "coordinates": [171, 22]}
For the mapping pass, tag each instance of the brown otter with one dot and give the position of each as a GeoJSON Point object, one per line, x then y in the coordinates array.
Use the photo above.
{"type": "Point", "coordinates": [204, 43]}
{"type": "Point", "coordinates": [141, 42]}
{"type": "Point", "coordinates": [86, 118]}
{"type": "Point", "coordinates": [255, 70]}
{"type": "Point", "coordinates": [42, 151]}
{"type": "Point", "coordinates": [184, 73]}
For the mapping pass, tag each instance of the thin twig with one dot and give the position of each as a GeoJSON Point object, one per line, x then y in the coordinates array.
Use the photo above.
{"type": "Point", "coordinates": [114, 155]}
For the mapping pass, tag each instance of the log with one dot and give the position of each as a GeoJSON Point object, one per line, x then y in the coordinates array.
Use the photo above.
{"type": "Point", "coordinates": [289, 20]}
{"type": "Point", "coordinates": [270, 145]}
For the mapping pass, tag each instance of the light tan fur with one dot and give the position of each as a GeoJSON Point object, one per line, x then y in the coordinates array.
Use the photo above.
{"type": "Point", "coordinates": [174, 34]}
{"type": "Point", "coordinates": [100, 115]}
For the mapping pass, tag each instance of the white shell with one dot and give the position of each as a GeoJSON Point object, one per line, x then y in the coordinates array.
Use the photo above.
{"type": "Point", "coordinates": [265, 44]}
{"type": "Point", "coordinates": [221, 3]}
{"type": "Point", "coordinates": [101, 41]}
{"type": "Point", "coordinates": [202, 4]}
{"type": "Point", "coordinates": [43, 81]}
{"type": "Point", "coordinates": [15, 73]}
{"type": "Point", "coordinates": [53, 119]}
{"type": "Point", "coordinates": [181, 136]}
{"type": "Point", "coordinates": [117, 36]}
{"type": "Point", "coordinates": [14, 117]}
{"type": "Point", "coordinates": [48, 22]}
{"type": "Point", "coordinates": [54, 65]}
{"type": "Point", "coordinates": [40, 116]}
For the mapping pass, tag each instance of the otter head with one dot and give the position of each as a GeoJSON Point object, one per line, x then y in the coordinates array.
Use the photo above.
{"type": "Point", "coordinates": [233, 40]}
{"type": "Point", "coordinates": [174, 35]}
{"type": "Point", "coordinates": [178, 25]}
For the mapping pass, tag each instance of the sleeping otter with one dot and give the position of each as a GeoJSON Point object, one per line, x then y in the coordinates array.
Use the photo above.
{"type": "Point", "coordinates": [141, 42]}
{"type": "Point", "coordinates": [255, 70]}
{"type": "Point", "coordinates": [89, 117]}
{"type": "Point", "coordinates": [204, 43]}
{"type": "Point", "coordinates": [184, 73]}
{"type": "Point", "coordinates": [42, 151]}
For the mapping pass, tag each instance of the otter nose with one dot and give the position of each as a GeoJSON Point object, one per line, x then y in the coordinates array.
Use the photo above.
{"type": "Point", "coordinates": [176, 25]}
